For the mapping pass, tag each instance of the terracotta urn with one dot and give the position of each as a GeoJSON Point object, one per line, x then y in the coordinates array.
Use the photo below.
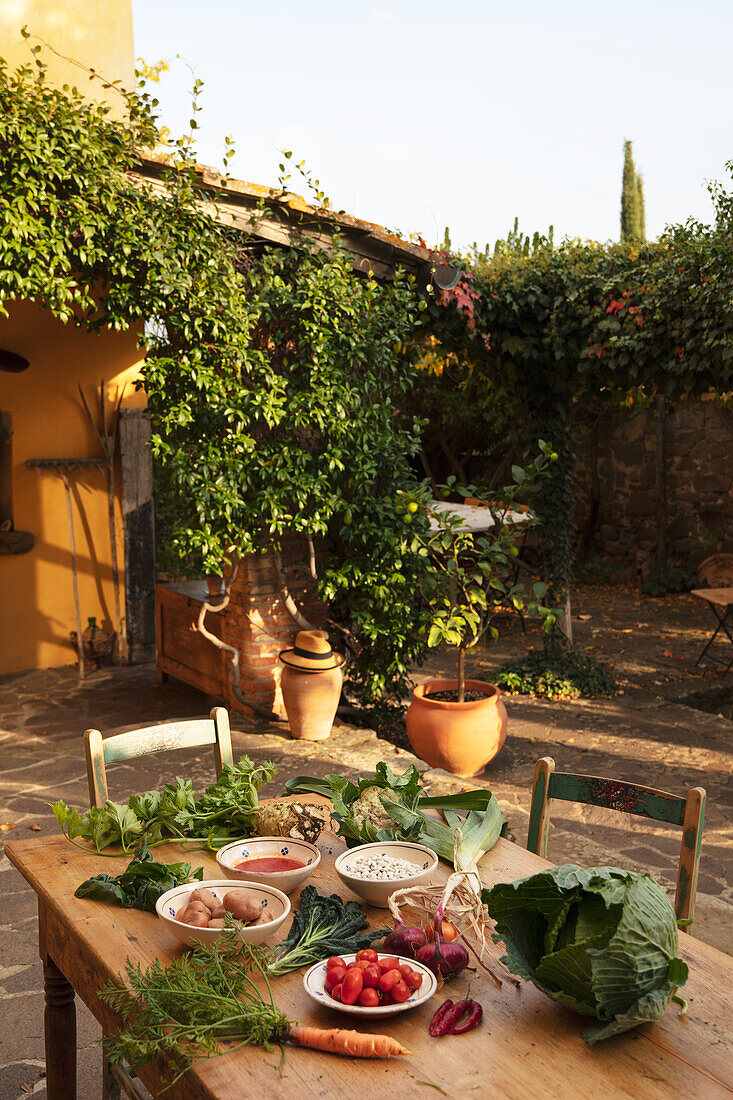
{"type": "Point", "coordinates": [311, 682]}
{"type": "Point", "coordinates": [459, 737]}
{"type": "Point", "coordinates": [311, 699]}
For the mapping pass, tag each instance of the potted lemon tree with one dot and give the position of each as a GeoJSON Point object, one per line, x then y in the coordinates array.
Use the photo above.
{"type": "Point", "coordinates": [459, 724]}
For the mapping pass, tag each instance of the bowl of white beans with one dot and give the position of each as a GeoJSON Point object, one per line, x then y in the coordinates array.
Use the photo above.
{"type": "Point", "coordinates": [374, 871]}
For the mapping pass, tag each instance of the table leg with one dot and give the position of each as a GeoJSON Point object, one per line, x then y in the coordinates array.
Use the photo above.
{"type": "Point", "coordinates": [60, 1031]}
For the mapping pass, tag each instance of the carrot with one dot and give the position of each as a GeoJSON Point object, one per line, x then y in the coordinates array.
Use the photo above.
{"type": "Point", "coordinates": [352, 1043]}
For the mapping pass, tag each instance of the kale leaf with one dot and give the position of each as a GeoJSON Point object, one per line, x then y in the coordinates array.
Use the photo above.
{"type": "Point", "coordinates": [322, 926]}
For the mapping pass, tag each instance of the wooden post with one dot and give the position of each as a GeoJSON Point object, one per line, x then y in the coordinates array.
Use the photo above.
{"type": "Point", "coordinates": [74, 576]}
{"type": "Point", "coordinates": [539, 811]}
{"type": "Point", "coordinates": [139, 533]}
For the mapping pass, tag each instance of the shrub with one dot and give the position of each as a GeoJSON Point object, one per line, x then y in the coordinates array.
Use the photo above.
{"type": "Point", "coordinates": [557, 672]}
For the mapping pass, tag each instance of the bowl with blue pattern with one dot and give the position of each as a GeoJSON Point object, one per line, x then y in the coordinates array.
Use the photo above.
{"type": "Point", "coordinates": [377, 891]}
{"type": "Point", "coordinates": [273, 903]}
{"type": "Point", "coordinates": [239, 861]}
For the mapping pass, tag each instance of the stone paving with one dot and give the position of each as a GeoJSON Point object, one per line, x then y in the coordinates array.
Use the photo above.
{"type": "Point", "coordinates": [644, 734]}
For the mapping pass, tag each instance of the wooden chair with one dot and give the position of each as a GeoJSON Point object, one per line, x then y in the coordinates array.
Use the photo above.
{"type": "Point", "coordinates": [687, 812]}
{"type": "Point", "coordinates": [100, 751]}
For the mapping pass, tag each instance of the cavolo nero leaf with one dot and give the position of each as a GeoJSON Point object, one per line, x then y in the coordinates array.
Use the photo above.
{"type": "Point", "coordinates": [323, 925]}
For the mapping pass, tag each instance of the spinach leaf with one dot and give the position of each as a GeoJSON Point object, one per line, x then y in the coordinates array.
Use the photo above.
{"type": "Point", "coordinates": [141, 884]}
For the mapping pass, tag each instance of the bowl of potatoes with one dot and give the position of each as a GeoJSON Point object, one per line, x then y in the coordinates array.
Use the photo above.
{"type": "Point", "coordinates": [195, 912]}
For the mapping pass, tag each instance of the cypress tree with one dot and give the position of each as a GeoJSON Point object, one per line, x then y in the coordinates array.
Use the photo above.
{"type": "Point", "coordinates": [633, 226]}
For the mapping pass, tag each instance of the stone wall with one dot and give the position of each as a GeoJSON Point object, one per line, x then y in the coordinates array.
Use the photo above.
{"type": "Point", "coordinates": [699, 466]}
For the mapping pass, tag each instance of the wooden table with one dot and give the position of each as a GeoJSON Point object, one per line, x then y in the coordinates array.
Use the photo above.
{"type": "Point", "coordinates": [717, 598]}
{"type": "Point", "coordinates": [526, 1047]}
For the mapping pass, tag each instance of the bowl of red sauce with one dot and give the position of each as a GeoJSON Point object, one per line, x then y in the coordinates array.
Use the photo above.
{"type": "Point", "coordinates": [277, 861]}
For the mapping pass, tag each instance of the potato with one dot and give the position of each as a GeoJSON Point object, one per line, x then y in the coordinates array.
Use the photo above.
{"type": "Point", "coordinates": [216, 922]}
{"type": "Point", "coordinates": [242, 905]}
{"type": "Point", "coordinates": [219, 911]}
{"type": "Point", "coordinates": [264, 918]}
{"type": "Point", "coordinates": [194, 914]}
{"type": "Point", "coordinates": [205, 897]}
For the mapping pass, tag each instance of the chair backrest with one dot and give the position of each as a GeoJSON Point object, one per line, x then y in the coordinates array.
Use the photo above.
{"type": "Point", "coordinates": [101, 751]}
{"type": "Point", "coordinates": [612, 794]}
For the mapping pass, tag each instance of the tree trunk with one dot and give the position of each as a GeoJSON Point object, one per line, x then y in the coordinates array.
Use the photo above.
{"type": "Point", "coordinates": [461, 674]}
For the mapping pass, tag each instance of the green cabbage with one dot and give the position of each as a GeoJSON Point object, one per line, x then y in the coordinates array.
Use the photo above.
{"type": "Point", "coordinates": [600, 941]}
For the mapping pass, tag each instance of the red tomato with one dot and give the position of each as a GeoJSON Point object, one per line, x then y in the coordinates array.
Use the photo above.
{"type": "Point", "coordinates": [335, 960]}
{"type": "Point", "coordinates": [390, 963]}
{"type": "Point", "coordinates": [351, 986]}
{"type": "Point", "coordinates": [400, 992]}
{"type": "Point", "coordinates": [368, 953]}
{"type": "Point", "coordinates": [412, 980]}
{"type": "Point", "coordinates": [336, 992]}
{"type": "Point", "coordinates": [360, 964]}
{"type": "Point", "coordinates": [404, 969]}
{"type": "Point", "coordinates": [385, 998]}
{"type": "Point", "coordinates": [334, 977]}
{"type": "Point", "coordinates": [389, 979]}
{"type": "Point", "coordinates": [369, 998]}
{"type": "Point", "coordinates": [371, 976]}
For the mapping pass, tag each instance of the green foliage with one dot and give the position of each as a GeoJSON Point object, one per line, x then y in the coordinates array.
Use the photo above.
{"type": "Point", "coordinates": [471, 575]}
{"type": "Point", "coordinates": [558, 672]}
{"type": "Point", "coordinates": [669, 578]}
{"type": "Point", "coordinates": [633, 219]}
{"type": "Point", "coordinates": [275, 380]}
{"type": "Point", "coordinates": [596, 572]}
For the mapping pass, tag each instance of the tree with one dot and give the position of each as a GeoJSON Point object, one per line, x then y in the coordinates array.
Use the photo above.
{"type": "Point", "coordinates": [633, 227]}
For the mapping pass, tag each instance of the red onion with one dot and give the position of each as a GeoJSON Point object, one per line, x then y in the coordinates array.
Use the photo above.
{"type": "Point", "coordinates": [442, 957]}
{"type": "Point", "coordinates": [404, 941]}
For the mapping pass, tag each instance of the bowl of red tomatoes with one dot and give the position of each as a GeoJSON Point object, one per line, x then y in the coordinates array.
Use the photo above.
{"type": "Point", "coordinates": [370, 984]}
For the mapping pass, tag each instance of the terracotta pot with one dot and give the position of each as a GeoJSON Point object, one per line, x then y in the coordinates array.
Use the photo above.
{"type": "Point", "coordinates": [459, 737]}
{"type": "Point", "coordinates": [311, 699]}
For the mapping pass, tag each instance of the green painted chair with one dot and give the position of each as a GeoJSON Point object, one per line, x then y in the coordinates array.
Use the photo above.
{"type": "Point", "coordinates": [190, 734]}
{"type": "Point", "coordinates": [612, 794]}
{"type": "Point", "coordinates": [99, 752]}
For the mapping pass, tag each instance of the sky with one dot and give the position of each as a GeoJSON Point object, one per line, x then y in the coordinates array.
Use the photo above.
{"type": "Point", "coordinates": [424, 115]}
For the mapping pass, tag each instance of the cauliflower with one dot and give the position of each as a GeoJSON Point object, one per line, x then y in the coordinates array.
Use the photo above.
{"type": "Point", "coordinates": [368, 808]}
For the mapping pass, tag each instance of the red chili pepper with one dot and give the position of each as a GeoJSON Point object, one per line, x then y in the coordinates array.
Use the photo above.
{"type": "Point", "coordinates": [437, 1019]}
{"type": "Point", "coordinates": [475, 1012]}
{"type": "Point", "coordinates": [448, 1020]}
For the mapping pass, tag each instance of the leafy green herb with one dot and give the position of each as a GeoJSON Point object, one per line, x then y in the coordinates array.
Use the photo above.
{"type": "Point", "coordinates": [226, 811]}
{"type": "Point", "coordinates": [322, 926]}
{"type": "Point", "coordinates": [183, 1011]}
{"type": "Point", "coordinates": [600, 941]}
{"type": "Point", "coordinates": [390, 807]}
{"type": "Point", "coordinates": [140, 886]}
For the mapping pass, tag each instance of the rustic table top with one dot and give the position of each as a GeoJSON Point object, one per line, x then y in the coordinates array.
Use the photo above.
{"type": "Point", "coordinates": [720, 596]}
{"type": "Point", "coordinates": [526, 1044]}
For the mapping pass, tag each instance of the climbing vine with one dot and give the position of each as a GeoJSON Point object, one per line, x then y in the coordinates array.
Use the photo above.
{"type": "Point", "coordinates": [274, 378]}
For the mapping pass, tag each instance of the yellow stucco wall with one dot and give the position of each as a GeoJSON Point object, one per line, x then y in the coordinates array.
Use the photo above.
{"type": "Point", "coordinates": [36, 597]}
{"type": "Point", "coordinates": [95, 33]}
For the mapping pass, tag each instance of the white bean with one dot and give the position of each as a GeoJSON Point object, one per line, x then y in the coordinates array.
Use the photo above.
{"type": "Point", "coordinates": [383, 867]}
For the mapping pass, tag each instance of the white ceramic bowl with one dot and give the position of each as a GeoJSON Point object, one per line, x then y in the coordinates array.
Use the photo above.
{"type": "Point", "coordinates": [172, 901]}
{"type": "Point", "coordinates": [377, 891]}
{"type": "Point", "coordinates": [286, 881]}
{"type": "Point", "coordinates": [314, 984]}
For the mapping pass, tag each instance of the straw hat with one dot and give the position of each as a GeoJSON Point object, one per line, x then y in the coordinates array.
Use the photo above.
{"type": "Point", "coordinates": [312, 652]}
